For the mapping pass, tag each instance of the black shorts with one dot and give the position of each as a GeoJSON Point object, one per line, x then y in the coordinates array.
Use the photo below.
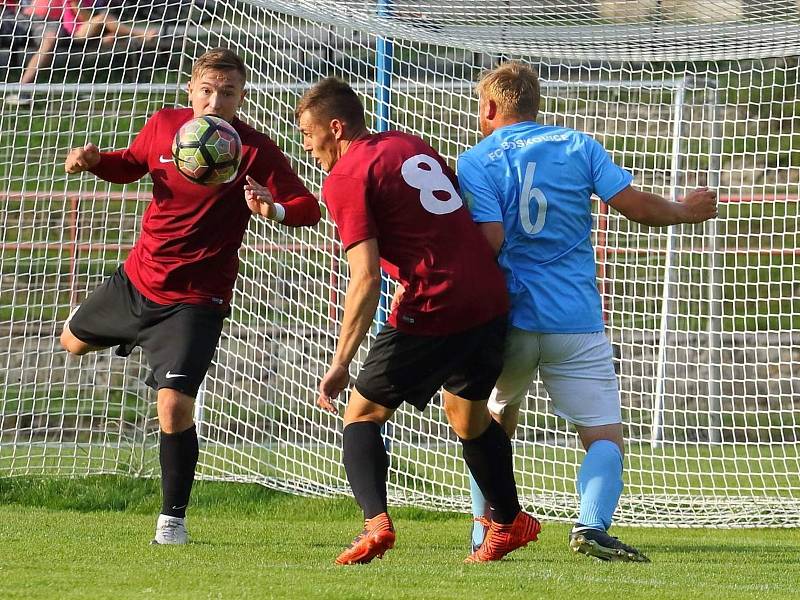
{"type": "Point", "coordinates": [411, 368]}
{"type": "Point", "coordinates": [178, 340]}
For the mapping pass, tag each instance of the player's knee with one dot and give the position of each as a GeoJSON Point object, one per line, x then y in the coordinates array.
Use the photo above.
{"type": "Point", "coordinates": [72, 344]}
{"type": "Point", "coordinates": [470, 425]}
{"type": "Point", "coordinates": [471, 430]}
{"type": "Point", "coordinates": [175, 411]}
{"type": "Point", "coordinates": [175, 422]}
{"type": "Point", "coordinates": [360, 408]}
{"type": "Point", "coordinates": [378, 416]}
{"type": "Point", "coordinates": [461, 430]}
{"type": "Point", "coordinates": [602, 433]}
{"type": "Point", "coordinates": [467, 418]}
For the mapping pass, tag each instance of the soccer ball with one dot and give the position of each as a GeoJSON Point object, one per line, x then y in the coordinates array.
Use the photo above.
{"type": "Point", "coordinates": [207, 150]}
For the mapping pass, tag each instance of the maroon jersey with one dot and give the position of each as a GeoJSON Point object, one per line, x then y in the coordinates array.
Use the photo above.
{"type": "Point", "coordinates": [191, 234]}
{"type": "Point", "coordinates": [396, 188]}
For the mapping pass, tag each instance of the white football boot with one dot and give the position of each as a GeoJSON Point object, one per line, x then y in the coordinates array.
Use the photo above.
{"type": "Point", "coordinates": [170, 530]}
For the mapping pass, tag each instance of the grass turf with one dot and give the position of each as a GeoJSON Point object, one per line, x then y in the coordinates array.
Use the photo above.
{"type": "Point", "coordinates": [88, 538]}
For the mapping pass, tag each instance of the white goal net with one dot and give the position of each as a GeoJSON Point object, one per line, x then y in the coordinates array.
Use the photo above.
{"type": "Point", "coordinates": [704, 320]}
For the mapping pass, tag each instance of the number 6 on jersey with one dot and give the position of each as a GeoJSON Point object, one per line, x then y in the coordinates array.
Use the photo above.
{"type": "Point", "coordinates": [528, 192]}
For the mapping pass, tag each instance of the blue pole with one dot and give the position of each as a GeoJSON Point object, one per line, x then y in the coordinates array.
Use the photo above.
{"type": "Point", "coordinates": [383, 60]}
{"type": "Point", "coordinates": [383, 101]}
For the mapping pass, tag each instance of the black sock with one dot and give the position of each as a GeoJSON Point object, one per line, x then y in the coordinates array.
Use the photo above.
{"type": "Point", "coordinates": [366, 464]}
{"type": "Point", "coordinates": [489, 459]}
{"type": "Point", "coordinates": [178, 455]}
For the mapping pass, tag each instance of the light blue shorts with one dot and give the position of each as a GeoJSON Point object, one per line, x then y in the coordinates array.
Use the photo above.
{"type": "Point", "coordinates": [576, 369]}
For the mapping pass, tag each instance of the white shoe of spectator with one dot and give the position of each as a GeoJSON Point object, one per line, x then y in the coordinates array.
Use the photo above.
{"type": "Point", "coordinates": [21, 99]}
{"type": "Point", "coordinates": [170, 530]}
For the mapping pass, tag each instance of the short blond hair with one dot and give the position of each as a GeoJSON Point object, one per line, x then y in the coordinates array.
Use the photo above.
{"type": "Point", "coordinates": [219, 59]}
{"type": "Point", "coordinates": [514, 86]}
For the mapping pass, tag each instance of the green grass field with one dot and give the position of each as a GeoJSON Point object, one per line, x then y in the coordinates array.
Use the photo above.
{"type": "Point", "coordinates": [88, 538]}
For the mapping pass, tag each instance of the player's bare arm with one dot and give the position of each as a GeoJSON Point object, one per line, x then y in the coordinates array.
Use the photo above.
{"type": "Point", "coordinates": [651, 209]}
{"type": "Point", "coordinates": [82, 159]}
{"type": "Point", "coordinates": [360, 304]}
{"type": "Point", "coordinates": [397, 297]}
{"type": "Point", "coordinates": [494, 234]}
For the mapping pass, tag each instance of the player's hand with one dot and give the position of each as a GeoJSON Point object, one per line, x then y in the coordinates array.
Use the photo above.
{"type": "Point", "coordinates": [82, 159]}
{"type": "Point", "coordinates": [398, 295]}
{"type": "Point", "coordinates": [335, 381]}
{"type": "Point", "coordinates": [700, 205]}
{"type": "Point", "coordinates": [259, 199]}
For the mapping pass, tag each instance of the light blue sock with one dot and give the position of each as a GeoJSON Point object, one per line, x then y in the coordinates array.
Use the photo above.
{"type": "Point", "coordinates": [600, 484]}
{"type": "Point", "coordinates": [479, 509]}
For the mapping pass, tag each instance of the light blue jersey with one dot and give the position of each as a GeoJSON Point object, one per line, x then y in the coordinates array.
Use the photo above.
{"type": "Point", "coordinates": [538, 180]}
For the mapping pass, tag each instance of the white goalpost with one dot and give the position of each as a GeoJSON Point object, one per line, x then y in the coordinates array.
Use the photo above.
{"type": "Point", "coordinates": [704, 319]}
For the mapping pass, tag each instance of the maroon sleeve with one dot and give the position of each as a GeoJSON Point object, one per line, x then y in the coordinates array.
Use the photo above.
{"type": "Point", "coordinates": [126, 166]}
{"type": "Point", "coordinates": [346, 199]}
{"type": "Point", "coordinates": [273, 170]}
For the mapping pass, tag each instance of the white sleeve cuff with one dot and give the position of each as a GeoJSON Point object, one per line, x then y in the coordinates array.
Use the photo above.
{"type": "Point", "coordinates": [280, 212]}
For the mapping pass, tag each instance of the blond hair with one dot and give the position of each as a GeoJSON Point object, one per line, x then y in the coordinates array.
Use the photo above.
{"type": "Point", "coordinates": [219, 59]}
{"type": "Point", "coordinates": [514, 86]}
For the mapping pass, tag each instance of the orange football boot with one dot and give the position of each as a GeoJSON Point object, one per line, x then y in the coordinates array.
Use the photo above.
{"type": "Point", "coordinates": [376, 538]}
{"type": "Point", "coordinates": [502, 539]}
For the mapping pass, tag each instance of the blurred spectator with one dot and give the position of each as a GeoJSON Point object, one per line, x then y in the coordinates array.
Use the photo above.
{"type": "Point", "coordinates": [8, 19]}
{"type": "Point", "coordinates": [179, 11]}
{"type": "Point", "coordinates": [51, 20]}
{"type": "Point", "coordinates": [41, 21]}
{"type": "Point", "coordinates": [91, 19]}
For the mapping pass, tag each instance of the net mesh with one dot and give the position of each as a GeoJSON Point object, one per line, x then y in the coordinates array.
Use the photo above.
{"type": "Point", "coordinates": [704, 319]}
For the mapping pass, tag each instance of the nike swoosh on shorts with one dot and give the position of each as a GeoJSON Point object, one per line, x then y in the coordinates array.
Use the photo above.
{"type": "Point", "coordinates": [174, 375]}
{"type": "Point", "coordinates": [164, 160]}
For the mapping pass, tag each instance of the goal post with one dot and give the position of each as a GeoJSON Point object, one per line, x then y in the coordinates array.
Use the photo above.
{"type": "Point", "coordinates": [704, 319]}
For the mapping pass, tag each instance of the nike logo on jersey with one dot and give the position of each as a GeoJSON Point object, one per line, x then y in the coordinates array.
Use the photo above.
{"type": "Point", "coordinates": [171, 375]}
{"type": "Point", "coordinates": [164, 160]}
